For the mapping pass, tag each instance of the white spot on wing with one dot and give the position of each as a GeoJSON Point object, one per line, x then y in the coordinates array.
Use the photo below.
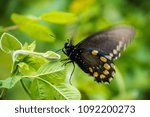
{"type": "Point", "coordinates": [119, 55]}
{"type": "Point", "coordinates": [108, 57]}
{"type": "Point", "coordinates": [118, 47]}
{"type": "Point", "coordinates": [113, 73]}
{"type": "Point", "coordinates": [115, 51]}
{"type": "Point", "coordinates": [111, 54]}
{"type": "Point", "coordinates": [115, 58]}
{"type": "Point", "coordinates": [106, 83]}
{"type": "Point", "coordinates": [120, 44]}
{"type": "Point", "coordinates": [110, 79]}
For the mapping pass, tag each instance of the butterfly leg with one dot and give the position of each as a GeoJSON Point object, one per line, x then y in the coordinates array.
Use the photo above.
{"type": "Point", "coordinates": [64, 64]}
{"type": "Point", "coordinates": [64, 51]}
{"type": "Point", "coordinates": [65, 59]}
{"type": "Point", "coordinates": [72, 73]}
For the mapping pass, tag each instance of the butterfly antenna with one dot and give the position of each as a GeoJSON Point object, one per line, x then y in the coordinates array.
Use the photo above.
{"type": "Point", "coordinates": [59, 50]}
{"type": "Point", "coordinates": [72, 73]}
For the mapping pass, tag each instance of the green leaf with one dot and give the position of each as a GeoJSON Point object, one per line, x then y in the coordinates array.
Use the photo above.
{"type": "Point", "coordinates": [26, 83]}
{"type": "Point", "coordinates": [9, 83]}
{"type": "Point", "coordinates": [48, 55]}
{"type": "Point", "coordinates": [51, 55]}
{"type": "Point", "coordinates": [28, 62]}
{"type": "Point", "coordinates": [56, 77]}
{"type": "Point", "coordinates": [26, 69]}
{"type": "Point", "coordinates": [37, 31]}
{"type": "Point", "coordinates": [30, 47]}
{"type": "Point", "coordinates": [68, 91]}
{"type": "Point", "coordinates": [42, 89]}
{"type": "Point", "coordinates": [59, 17]}
{"type": "Point", "coordinates": [9, 43]}
{"type": "Point", "coordinates": [21, 19]}
{"type": "Point", "coordinates": [48, 68]}
{"type": "Point", "coordinates": [29, 26]}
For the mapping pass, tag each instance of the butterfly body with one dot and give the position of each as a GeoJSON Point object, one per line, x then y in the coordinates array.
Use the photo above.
{"type": "Point", "coordinates": [96, 53]}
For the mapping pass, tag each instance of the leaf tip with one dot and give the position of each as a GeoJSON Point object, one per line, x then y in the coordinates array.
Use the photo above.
{"type": "Point", "coordinates": [9, 43]}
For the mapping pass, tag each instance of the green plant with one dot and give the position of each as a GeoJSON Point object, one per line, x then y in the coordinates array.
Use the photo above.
{"type": "Point", "coordinates": [31, 25]}
{"type": "Point", "coordinates": [42, 75]}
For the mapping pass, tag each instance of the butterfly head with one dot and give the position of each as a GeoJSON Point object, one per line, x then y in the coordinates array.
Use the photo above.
{"type": "Point", "coordinates": [68, 47]}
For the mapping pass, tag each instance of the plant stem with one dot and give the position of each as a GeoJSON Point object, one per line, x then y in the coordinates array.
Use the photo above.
{"type": "Point", "coordinates": [25, 88]}
{"type": "Point", "coordinates": [2, 93]}
{"type": "Point", "coordinates": [14, 27]}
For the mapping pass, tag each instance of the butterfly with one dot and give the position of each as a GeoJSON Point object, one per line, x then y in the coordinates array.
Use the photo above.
{"type": "Point", "coordinates": [95, 55]}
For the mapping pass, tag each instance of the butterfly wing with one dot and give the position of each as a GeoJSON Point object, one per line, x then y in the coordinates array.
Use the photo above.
{"type": "Point", "coordinates": [96, 64]}
{"type": "Point", "coordinates": [110, 41]}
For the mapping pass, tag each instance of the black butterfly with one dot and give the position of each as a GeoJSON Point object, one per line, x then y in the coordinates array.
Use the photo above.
{"type": "Point", "coordinates": [95, 54]}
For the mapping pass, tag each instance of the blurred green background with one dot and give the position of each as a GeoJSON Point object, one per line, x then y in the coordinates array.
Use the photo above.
{"type": "Point", "coordinates": [132, 80]}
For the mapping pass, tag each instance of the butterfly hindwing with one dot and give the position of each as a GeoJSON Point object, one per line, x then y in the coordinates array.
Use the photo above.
{"type": "Point", "coordinates": [96, 64]}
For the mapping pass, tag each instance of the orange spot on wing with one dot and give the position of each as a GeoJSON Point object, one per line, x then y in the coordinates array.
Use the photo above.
{"type": "Point", "coordinates": [102, 76]}
{"type": "Point", "coordinates": [106, 72]}
{"type": "Point", "coordinates": [106, 66]}
{"type": "Point", "coordinates": [103, 59]}
{"type": "Point", "coordinates": [95, 74]}
{"type": "Point", "coordinates": [90, 69]}
{"type": "Point", "coordinates": [94, 52]}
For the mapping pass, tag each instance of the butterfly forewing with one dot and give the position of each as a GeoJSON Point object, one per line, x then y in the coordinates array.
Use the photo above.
{"type": "Point", "coordinates": [110, 41]}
